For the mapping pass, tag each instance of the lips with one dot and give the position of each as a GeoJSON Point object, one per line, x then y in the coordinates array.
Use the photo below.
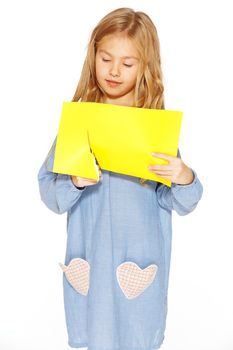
{"type": "Point", "coordinates": [113, 83]}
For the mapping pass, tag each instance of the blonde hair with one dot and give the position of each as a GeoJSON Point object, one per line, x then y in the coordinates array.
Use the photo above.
{"type": "Point", "coordinates": [137, 26]}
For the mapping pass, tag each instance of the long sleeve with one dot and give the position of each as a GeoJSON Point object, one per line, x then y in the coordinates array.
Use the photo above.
{"type": "Point", "coordinates": [57, 191]}
{"type": "Point", "coordinates": [181, 198]}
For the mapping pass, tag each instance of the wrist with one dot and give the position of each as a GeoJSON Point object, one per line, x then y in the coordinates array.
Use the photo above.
{"type": "Point", "coordinates": [188, 179]}
{"type": "Point", "coordinates": [78, 187]}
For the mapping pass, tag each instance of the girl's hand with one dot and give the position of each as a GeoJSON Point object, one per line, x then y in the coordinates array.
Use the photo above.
{"type": "Point", "coordinates": [175, 171]}
{"type": "Point", "coordinates": [83, 181]}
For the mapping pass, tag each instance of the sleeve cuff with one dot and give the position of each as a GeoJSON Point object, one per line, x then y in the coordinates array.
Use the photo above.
{"type": "Point", "coordinates": [75, 187]}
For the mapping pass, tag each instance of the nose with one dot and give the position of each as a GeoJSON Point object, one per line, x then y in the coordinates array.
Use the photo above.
{"type": "Point", "coordinates": [115, 70]}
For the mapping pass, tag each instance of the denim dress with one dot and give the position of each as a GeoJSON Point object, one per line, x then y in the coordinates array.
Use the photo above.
{"type": "Point", "coordinates": [116, 266]}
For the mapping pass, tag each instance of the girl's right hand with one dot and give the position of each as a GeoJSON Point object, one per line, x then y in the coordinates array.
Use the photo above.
{"type": "Point", "coordinates": [83, 181]}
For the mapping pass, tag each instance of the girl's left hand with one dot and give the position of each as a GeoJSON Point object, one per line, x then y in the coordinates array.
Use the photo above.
{"type": "Point", "coordinates": [175, 171]}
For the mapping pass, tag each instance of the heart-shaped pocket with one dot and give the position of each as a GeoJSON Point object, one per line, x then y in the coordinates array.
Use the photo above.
{"type": "Point", "coordinates": [77, 273]}
{"type": "Point", "coordinates": [133, 280]}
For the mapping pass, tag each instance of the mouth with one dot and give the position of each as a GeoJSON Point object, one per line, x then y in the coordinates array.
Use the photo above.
{"type": "Point", "coordinates": [113, 83]}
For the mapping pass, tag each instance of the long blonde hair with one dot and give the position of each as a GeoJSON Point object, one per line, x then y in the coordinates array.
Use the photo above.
{"type": "Point", "coordinates": [137, 26]}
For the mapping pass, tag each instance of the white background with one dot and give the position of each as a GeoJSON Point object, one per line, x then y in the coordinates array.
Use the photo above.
{"type": "Point", "coordinates": [43, 46]}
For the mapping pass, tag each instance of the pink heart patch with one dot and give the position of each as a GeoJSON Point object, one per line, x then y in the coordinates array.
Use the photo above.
{"type": "Point", "coordinates": [133, 280]}
{"type": "Point", "coordinates": [77, 273]}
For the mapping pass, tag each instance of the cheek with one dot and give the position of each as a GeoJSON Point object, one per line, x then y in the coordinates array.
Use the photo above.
{"type": "Point", "coordinates": [131, 76]}
{"type": "Point", "coordinates": [97, 68]}
{"type": "Point", "coordinates": [101, 70]}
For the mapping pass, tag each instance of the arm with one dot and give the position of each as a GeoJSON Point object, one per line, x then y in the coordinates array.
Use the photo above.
{"type": "Point", "coordinates": [181, 198]}
{"type": "Point", "coordinates": [57, 191]}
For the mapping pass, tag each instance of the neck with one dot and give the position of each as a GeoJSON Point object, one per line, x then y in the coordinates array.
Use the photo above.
{"type": "Point", "coordinates": [121, 101]}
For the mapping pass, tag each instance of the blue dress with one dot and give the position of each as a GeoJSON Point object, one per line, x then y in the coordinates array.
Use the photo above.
{"type": "Point", "coordinates": [116, 268]}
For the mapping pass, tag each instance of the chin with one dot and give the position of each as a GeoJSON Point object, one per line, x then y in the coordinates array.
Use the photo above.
{"type": "Point", "coordinates": [114, 96]}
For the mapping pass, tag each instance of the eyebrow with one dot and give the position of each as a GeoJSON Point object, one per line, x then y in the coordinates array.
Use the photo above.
{"type": "Point", "coordinates": [121, 57]}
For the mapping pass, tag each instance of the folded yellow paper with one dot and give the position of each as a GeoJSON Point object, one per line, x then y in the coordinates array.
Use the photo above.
{"type": "Point", "coordinates": [120, 138]}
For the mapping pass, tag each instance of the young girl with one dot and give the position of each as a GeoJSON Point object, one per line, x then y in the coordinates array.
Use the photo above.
{"type": "Point", "coordinates": [116, 268]}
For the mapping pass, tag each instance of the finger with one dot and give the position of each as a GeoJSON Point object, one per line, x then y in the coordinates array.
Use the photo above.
{"type": "Point", "coordinates": [168, 177]}
{"type": "Point", "coordinates": [159, 167]}
{"type": "Point", "coordinates": [85, 179]}
{"type": "Point", "coordinates": [163, 172]}
{"type": "Point", "coordinates": [90, 180]}
{"type": "Point", "coordinates": [163, 155]}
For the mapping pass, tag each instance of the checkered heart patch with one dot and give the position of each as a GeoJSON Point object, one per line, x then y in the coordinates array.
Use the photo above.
{"type": "Point", "coordinates": [133, 280]}
{"type": "Point", "coordinates": [77, 274]}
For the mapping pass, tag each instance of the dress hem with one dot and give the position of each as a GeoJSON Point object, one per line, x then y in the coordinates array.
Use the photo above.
{"type": "Point", "coordinates": [85, 345]}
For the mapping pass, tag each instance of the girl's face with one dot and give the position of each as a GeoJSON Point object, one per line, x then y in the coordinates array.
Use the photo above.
{"type": "Point", "coordinates": [117, 60]}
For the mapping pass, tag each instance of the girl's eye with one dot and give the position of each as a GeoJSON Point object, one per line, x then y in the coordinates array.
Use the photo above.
{"type": "Point", "coordinates": [126, 65]}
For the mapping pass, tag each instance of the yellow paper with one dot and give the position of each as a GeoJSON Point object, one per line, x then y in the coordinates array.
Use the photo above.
{"type": "Point", "coordinates": [120, 138]}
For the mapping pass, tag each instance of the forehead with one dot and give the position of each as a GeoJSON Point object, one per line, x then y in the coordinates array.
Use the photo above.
{"type": "Point", "coordinates": [118, 46]}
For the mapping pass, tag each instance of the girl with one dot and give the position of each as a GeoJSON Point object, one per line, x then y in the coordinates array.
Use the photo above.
{"type": "Point", "coordinates": [116, 268]}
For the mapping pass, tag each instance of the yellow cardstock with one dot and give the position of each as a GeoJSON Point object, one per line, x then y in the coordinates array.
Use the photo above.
{"type": "Point", "coordinates": [120, 138]}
